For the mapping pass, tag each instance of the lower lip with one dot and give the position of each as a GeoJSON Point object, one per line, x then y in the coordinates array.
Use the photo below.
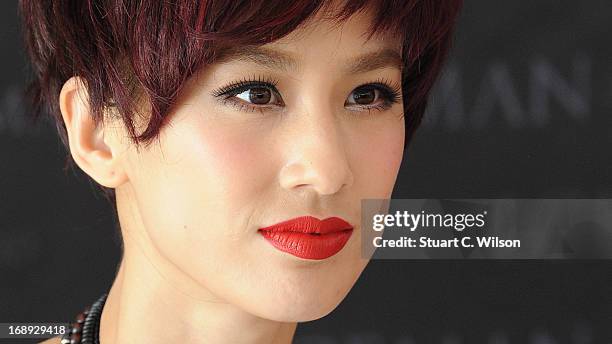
{"type": "Point", "coordinates": [308, 246]}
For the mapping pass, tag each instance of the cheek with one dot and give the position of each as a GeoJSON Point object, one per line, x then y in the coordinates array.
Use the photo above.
{"type": "Point", "coordinates": [378, 155]}
{"type": "Point", "coordinates": [224, 162]}
{"type": "Point", "coordinates": [201, 177]}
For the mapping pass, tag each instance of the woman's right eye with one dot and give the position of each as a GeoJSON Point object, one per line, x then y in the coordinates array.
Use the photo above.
{"type": "Point", "coordinates": [250, 95]}
{"type": "Point", "coordinates": [260, 95]}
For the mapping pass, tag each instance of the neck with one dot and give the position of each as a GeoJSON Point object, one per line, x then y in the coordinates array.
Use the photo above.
{"type": "Point", "coordinates": [142, 307]}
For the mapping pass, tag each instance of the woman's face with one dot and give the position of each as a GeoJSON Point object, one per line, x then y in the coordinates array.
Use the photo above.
{"type": "Point", "coordinates": [257, 140]}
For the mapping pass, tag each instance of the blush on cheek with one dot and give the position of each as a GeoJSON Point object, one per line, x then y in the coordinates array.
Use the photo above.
{"type": "Point", "coordinates": [394, 154]}
{"type": "Point", "coordinates": [236, 161]}
{"type": "Point", "coordinates": [379, 158]}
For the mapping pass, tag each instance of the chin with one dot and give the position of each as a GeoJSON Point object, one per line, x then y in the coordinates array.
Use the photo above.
{"type": "Point", "coordinates": [301, 313]}
{"type": "Point", "coordinates": [315, 296]}
{"type": "Point", "coordinates": [301, 305]}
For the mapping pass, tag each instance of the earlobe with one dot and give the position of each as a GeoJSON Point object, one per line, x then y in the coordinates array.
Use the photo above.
{"type": "Point", "coordinates": [87, 144]}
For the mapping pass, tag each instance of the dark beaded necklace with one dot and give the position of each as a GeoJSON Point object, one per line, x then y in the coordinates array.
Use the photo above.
{"type": "Point", "coordinates": [86, 327]}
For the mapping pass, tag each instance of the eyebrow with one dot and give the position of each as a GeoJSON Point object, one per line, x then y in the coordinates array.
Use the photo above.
{"type": "Point", "coordinates": [375, 60]}
{"type": "Point", "coordinates": [277, 60]}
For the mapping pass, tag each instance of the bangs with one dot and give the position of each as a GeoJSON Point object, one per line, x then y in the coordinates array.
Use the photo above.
{"type": "Point", "coordinates": [259, 22]}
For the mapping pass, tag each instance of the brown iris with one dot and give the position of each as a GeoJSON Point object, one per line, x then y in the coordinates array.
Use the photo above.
{"type": "Point", "coordinates": [260, 95]}
{"type": "Point", "coordinates": [364, 95]}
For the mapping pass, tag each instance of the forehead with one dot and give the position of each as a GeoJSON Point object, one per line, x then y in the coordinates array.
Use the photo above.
{"type": "Point", "coordinates": [324, 34]}
{"type": "Point", "coordinates": [353, 32]}
{"type": "Point", "coordinates": [320, 39]}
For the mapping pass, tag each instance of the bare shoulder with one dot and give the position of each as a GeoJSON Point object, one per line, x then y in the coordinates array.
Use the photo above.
{"type": "Point", "coordinates": [54, 340]}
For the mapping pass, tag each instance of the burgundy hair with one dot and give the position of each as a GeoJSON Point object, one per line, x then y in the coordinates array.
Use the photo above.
{"type": "Point", "coordinates": [121, 48]}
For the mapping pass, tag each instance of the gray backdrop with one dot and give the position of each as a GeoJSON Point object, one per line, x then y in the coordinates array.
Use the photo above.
{"type": "Point", "coordinates": [523, 110]}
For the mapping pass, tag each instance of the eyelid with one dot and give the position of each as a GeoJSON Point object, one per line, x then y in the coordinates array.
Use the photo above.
{"type": "Point", "coordinates": [229, 92]}
{"type": "Point", "coordinates": [390, 91]}
{"type": "Point", "coordinates": [245, 83]}
{"type": "Point", "coordinates": [385, 84]}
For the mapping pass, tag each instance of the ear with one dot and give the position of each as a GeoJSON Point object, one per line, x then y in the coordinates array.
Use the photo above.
{"type": "Point", "coordinates": [91, 149]}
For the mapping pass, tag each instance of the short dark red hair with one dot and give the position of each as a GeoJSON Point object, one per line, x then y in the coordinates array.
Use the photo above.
{"type": "Point", "coordinates": [121, 48]}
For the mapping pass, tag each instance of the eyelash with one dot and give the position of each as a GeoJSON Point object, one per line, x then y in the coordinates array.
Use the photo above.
{"type": "Point", "coordinates": [389, 92]}
{"type": "Point", "coordinates": [227, 92]}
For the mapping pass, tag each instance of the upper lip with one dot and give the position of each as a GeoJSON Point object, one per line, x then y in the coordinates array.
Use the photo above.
{"type": "Point", "coordinates": [310, 224]}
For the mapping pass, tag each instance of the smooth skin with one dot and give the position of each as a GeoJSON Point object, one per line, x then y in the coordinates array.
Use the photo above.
{"type": "Point", "coordinates": [195, 269]}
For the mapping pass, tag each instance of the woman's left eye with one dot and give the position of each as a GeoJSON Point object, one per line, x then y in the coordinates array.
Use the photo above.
{"type": "Point", "coordinates": [364, 96]}
{"type": "Point", "coordinates": [372, 96]}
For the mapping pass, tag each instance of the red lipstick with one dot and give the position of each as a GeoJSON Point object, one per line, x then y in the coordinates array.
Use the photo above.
{"type": "Point", "coordinates": [308, 237]}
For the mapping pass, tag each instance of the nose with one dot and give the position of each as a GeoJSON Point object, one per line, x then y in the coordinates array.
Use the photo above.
{"type": "Point", "coordinates": [317, 156]}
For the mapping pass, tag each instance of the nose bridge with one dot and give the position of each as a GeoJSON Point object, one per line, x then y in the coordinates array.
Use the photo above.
{"type": "Point", "coordinates": [317, 157]}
